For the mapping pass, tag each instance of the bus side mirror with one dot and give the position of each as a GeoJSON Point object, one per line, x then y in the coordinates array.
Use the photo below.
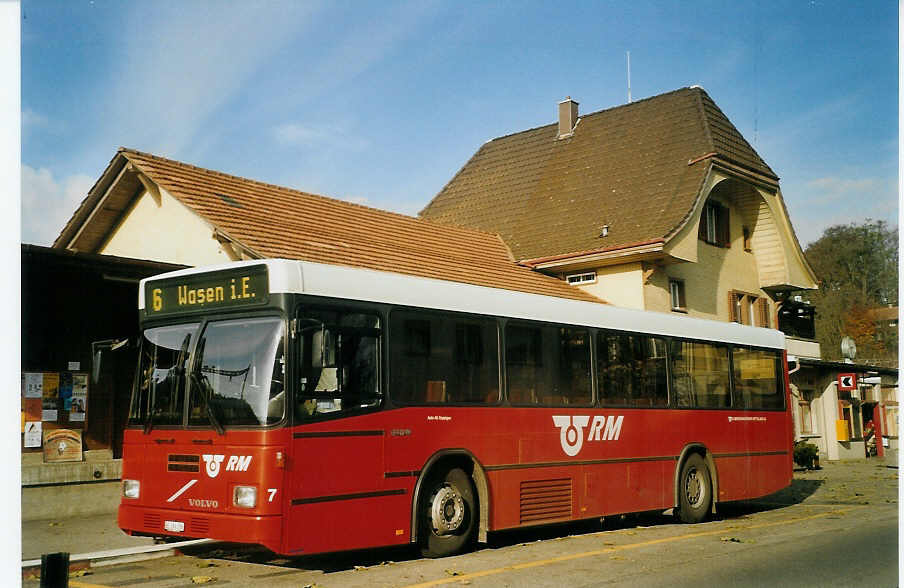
{"type": "Point", "coordinates": [97, 353]}
{"type": "Point", "coordinates": [95, 364]}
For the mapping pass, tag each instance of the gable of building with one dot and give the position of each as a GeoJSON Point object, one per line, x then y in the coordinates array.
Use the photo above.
{"type": "Point", "coordinates": [154, 208]}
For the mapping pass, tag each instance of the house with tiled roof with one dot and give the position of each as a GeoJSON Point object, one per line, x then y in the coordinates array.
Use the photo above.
{"type": "Point", "coordinates": [659, 204]}
{"type": "Point", "coordinates": [662, 205]}
{"type": "Point", "coordinates": [149, 207]}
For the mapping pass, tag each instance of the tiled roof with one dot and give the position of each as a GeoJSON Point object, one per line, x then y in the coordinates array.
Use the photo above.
{"type": "Point", "coordinates": [627, 167]}
{"type": "Point", "coordinates": [273, 221]}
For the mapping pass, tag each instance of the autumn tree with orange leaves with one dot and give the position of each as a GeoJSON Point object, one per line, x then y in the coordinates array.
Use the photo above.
{"type": "Point", "coordinates": [857, 268]}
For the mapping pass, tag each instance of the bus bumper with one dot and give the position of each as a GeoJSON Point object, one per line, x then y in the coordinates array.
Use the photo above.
{"type": "Point", "coordinates": [163, 522]}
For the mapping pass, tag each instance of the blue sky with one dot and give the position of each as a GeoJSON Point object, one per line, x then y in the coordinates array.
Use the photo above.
{"type": "Point", "coordinates": [382, 102]}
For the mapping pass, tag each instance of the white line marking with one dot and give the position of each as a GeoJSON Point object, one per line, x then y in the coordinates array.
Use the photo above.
{"type": "Point", "coordinates": [181, 490]}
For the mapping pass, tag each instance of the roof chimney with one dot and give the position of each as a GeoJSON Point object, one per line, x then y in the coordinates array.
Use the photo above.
{"type": "Point", "coordinates": [568, 117]}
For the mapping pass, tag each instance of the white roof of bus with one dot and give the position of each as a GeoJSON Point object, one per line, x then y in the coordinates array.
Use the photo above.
{"type": "Point", "coordinates": [335, 281]}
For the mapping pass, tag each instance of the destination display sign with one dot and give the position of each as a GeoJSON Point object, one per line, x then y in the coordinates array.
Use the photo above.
{"type": "Point", "coordinates": [246, 286]}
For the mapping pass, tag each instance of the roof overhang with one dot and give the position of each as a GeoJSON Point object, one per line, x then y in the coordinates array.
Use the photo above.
{"type": "Point", "coordinates": [102, 208]}
{"type": "Point", "coordinates": [633, 252]}
{"type": "Point", "coordinates": [848, 367]}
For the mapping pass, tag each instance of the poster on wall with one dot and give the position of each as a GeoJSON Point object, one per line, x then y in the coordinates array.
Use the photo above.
{"type": "Point", "coordinates": [79, 399]}
{"type": "Point", "coordinates": [33, 434]}
{"type": "Point", "coordinates": [65, 390]}
{"type": "Point", "coordinates": [34, 384]}
{"type": "Point", "coordinates": [51, 396]}
{"type": "Point", "coordinates": [32, 409]}
{"type": "Point", "coordinates": [62, 445]}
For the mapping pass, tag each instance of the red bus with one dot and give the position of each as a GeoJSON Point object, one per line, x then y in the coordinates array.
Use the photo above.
{"type": "Point", "coordinates": [313, 408]}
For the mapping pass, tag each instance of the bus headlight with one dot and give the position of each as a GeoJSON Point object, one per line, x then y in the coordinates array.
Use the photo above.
{"type": "Point", "coordinates": [131, 488]}
{"type": "Point", "coordinates": [244, 496]}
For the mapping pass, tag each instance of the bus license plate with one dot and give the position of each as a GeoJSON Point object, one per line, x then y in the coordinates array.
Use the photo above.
{"type": "Point", "coordinates": [174, 526]}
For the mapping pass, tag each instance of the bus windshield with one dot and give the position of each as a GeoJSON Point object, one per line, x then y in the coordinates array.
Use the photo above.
{"type": "Point", "coordinates": [238, 375]}
{"type": "Point", "coordinates": [236, 378]}
{"type": "Point", "coordinates": [161, 378]}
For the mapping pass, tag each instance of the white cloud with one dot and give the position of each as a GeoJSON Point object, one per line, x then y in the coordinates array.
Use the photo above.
{"type": "Point", "coordinates": [335, 136]}
{"type": "Point", "coordinates": [30, 119]}
{"type": "Point", "coordinates": [822, 202]}
{"type": "Point", "coordinates": [48, 203]}
{"type": "Point", "coordinates": [182, 62]}
{"type": "Point", "coordinates": [830, 189]}
{"type": "Point", "coordinates": [329, 71]}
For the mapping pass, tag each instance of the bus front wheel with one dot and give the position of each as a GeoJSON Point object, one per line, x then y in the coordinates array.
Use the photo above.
{"type": "Point", "coordinates": [447, 513]}
{"type": "Point", "coordinates": [694, 490]}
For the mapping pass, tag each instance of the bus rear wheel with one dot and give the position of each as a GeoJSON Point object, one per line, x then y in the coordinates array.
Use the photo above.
{"type": "Point", "coordinates": [695, 492]}
{"type": "Point", "coordinates": [447, 513]}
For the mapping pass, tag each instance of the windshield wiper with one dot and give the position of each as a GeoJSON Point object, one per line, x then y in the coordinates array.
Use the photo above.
{"type": "Point", "coordinates": [204, 388]}
{"type": "Point", "coordinates": [149, 419]}
{"type": "Point", "coordinates": [177, 371]}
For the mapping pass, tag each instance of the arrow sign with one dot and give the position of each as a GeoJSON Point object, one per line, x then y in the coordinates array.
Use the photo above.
{"type": "Point", "coordinates": [847, 382]}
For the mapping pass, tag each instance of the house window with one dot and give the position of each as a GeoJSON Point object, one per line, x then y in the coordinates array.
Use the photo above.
{"type": "Point", "coordinates": [585, 278]}
{"type": "Point", "coordinates": [676, 293]}
{"type": "Point", "coordinates": [804, 406]}
{"type": "Point", "coordinates": [748, 247]}
{"type": "Point", "coordinates": [891, 420]}
{"type": "Point", "coordinates": [748, 309]}
{"type": "Point", "coordinates": [714, 225]}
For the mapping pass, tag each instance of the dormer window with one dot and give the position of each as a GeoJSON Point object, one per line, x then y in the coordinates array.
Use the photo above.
{"type": "Point", "coordinates": [714, 225]}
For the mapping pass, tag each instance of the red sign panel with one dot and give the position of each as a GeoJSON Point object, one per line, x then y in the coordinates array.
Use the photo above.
{"type": "Point", "coordinates": [847, 382]}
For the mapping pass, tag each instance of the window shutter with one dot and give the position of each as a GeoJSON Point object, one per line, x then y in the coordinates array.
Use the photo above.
{"type": "Point", "coordinates": [733, 308]}
{"type": "Point", "coordinates": [724, 237]}
{"type": "Point", "coordinates": [701, 229]}
{"type": "Point", "coordinates": [763, 308]}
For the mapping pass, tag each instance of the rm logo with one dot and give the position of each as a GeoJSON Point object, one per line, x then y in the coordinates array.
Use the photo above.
{"type": "Point", "coordinates": [571, 430]}
{"type": "Point", "coordinates": [236, 463]}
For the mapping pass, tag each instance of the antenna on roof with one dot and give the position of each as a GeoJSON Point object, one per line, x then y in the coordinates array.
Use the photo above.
{"type": "Point", "coordinates": [629, 76]}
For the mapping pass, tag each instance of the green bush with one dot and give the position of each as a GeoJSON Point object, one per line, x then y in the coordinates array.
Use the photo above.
{"type": "Point", "coordinates": [805, 454]}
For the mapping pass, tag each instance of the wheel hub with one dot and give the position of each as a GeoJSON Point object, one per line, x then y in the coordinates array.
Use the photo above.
{"type": "Point", "coordinates": [694, 488]}
{"type": "Point", "coordinates": [447, 511]}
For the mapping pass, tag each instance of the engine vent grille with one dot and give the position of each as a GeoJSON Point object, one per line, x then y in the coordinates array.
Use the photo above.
{"type": "Point", "coordinates": [545, 500]}
{"type": "Point", "coordinates": [152, 521]}
{"type": "Point", "coordinates": [199, 526]}
{"type": "Point", "coordinates": [183, 463]}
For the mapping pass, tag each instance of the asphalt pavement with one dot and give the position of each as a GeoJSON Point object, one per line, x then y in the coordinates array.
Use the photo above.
{"type": "Point", "coordinates": [860, 483]}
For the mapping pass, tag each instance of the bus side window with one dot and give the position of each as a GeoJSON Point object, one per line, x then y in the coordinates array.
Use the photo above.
{"type": "Point", "coordinates": [700, 375]}
{"type": "Point", "coordinates": [572, 378]}
{"type": "Point", "coordinates": [443, 358]}
{"type": "Point", "coordinates": [339, 363]}
{"type": "Point", "coordinates": [523, 363]}
{"type": "Point", "coordinates": [632, 370]}
{"type": "Point", "coordinates": [758, 379]}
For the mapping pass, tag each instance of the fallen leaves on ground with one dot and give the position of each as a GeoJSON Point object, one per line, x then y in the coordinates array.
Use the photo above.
{"type": "Point", "coordinates": [202, 579]}
{"type": "Point", "coordinates": [452, 572]}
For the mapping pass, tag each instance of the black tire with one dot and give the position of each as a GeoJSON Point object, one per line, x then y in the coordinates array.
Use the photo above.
{"type": "Point", "coordinates": [448, 497]}
{"type": "Point", "coordinates": [695, 490]}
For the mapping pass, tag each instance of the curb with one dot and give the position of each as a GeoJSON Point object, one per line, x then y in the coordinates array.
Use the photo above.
{"type": "Point", "coordinates": [81, 561]}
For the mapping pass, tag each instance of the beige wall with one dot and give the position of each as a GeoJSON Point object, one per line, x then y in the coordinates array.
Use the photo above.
{"type": "Point", "coordinates": [621, 285]}
{"type": "Point", "coordinates": [164, 231]}
{"type": "Point", "coordinates": [717, 271]}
